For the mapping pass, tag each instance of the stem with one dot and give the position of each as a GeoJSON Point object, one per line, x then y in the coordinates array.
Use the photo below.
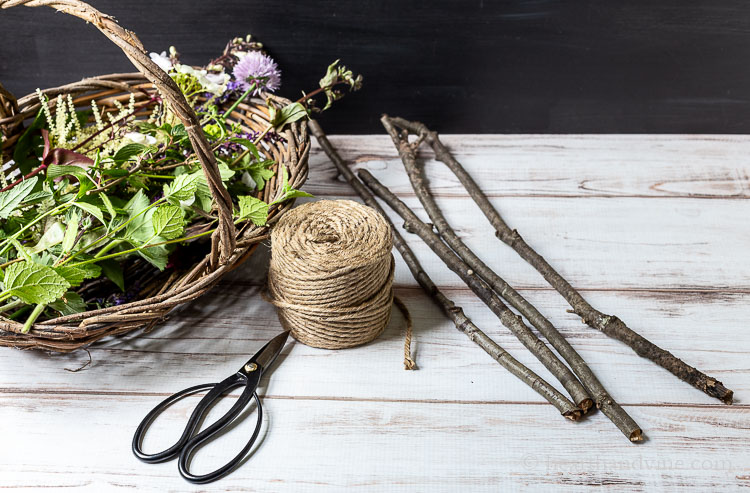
{"type": "Point", "coordinates": [25, 177]}
{"type": "Point", "coordinates": [161, 177]}
{"type": "Point", "coordinates": [239, 100]}
{"type": "Point", "coordinates": [32, 318]}
{"type": "Point", "coordinates": [6, 244]}
{"type": "Point", "coordinates": [11, 305]}
{"type": "Point", "coordinates": [109, 235]}
{"type": "Point", "coordinates": [112, 124]}
{"type": "Point", "coordinates": [257, 140]}
{"type": "Point", "coordinates": [109, 246]}
{"type": "Point", "coordinates": [455, 313]}
{"type": "Point", "coordinates": [608, 324]}
{"type": "Point", "coordinates": [133, 250]}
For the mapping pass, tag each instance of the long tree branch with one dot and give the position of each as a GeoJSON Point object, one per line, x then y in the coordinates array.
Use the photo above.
{"type": "Point", "coordinates": [592, 385]}
{"type": "Point", "coordinates": [455, 313]}
{"type": "Point", "coordinates": [408, 154]}
{"type": "Point", "coordinates": [608, 324]}
{"type": "Point", "coordinates": [509, 319]}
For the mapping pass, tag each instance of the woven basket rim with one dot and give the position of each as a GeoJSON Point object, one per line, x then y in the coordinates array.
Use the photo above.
{"type": "Point", "coordinates": [230, 246]}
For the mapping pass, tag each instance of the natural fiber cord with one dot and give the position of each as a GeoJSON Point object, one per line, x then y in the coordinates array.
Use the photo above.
{"type": "Point", "coordinates": [331, 273]}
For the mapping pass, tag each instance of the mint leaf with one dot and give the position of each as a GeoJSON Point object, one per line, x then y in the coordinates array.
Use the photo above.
{"type": "Point", "coordinates": [52, 236]}
{"type": "Point", "coordinates": [156, 255]}
{"type": "Point", "coordinates": [254, 209]}
{"type": "Point", "coordinates": [288, 114]}
{"type": "Point", "coordinates": [224, 171]}
{"type": "Point", "coordinates": [112, 270]}
{"type": "Point", "coordinates": [182, 188]}
{"type": "Point", "coordinates": [10, 199]}
{"type": "Point", "coordinates": [260, 173]}
{"type": "Point", "coordinates": [34, 283]}
{"type": "Point", "coordinates": [70, 303]}
{"type": "Point", "coordinates": [127, 151]}
{"type": "Point", "coordinates": [91, 209]}
{"type": "Point", "coordinates": [75, 274]}
{"type": "Point", "coordinates": [168, 221]}
{"type": "Point", "coordinates": [140, 227]}
{"type": "Point", "coordinates": [287, 192]}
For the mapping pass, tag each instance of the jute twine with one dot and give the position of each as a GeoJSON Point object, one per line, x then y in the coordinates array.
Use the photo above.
{"type": "Point", "coordinates": [331, 273]}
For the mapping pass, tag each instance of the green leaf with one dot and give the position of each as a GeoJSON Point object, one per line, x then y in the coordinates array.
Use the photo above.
{"type": "Point", "coordinates": [225, 172]}
{"type": "Point", "coordinates": [128, 151]}
{"type": "Point", "coordinates": [179, 131]}
{"type": "Point", "coordinates": [91, 209]}
{"type": "Point", "coordinates": [288, 114]}
{"type": "Point", "coordinates": [115, 172]}
{"type": "Point", "coordinates": [10, 199]}
{"type": "Point", "coordinates": [168, 221]}
{"type": "Point", "coordinates": [156, 255]}
{"type": "Point", "coordinates": [35, 197]}
{"type": "Point", "coordinates": [248, 145]}
{"type": "Point", "coordinates": [75, 274]}
{"type": "Point", "coordinates": [112, 270]}
{"type": "Point", "coordinates": [140, 227]}
{"type": "Point", "coordinates": [136, 204]}
{"type": "Point", "coordinates": [182, 188]}
{"type": "Point", "coordinates": [108, 205]}
{"type": "Point", "coordinates": [254, 209]}
{"type": "Point", "coordinates": [71, 231]}
{"type": "Point", "coordinates": [70, 303]}
{"type": "Point", "coordinates": [57, 170]}
{"type": "Point", "coordinates": [261, 174]}
{"type": "Point", "coordinates": [332, 74]}
{"type": "Point", "coordinates": [34, 283]}
{"type": "Point", "coordinates": [287, 192]}
{"type": "Point", "coordinates": [52, 236]}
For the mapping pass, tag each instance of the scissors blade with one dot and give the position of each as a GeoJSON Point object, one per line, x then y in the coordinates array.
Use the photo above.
{"type": "Point", "coordinates": [268, 353]}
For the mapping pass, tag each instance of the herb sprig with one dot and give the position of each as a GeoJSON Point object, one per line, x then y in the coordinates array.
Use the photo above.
{"type": "Point", "coordinates": [98, 186]}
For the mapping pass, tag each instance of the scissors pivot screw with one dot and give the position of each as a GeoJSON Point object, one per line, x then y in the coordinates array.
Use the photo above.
{"type": "Point", "coordinates": [251, 367]}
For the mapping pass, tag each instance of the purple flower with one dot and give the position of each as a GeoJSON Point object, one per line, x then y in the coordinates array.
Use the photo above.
{"type": "Point", "coordinates": [259, 69]}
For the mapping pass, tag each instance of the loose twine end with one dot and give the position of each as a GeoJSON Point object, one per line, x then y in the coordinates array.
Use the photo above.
{"type": "Point", "coordinates": [409, 363]}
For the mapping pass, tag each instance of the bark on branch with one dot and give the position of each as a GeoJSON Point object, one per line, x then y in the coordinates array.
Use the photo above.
{"type": "Point", "coordinates": [608, 324]}
{"type": "Point", "coordinates": [592, 385]}
{"type": "Point", "coordinates": [509, 319]}
{"type": "Point", "coordinates": [454, 312]}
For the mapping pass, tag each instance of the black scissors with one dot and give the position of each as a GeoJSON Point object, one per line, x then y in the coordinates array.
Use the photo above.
{"type": "Point", "coordinates": [249, 376]}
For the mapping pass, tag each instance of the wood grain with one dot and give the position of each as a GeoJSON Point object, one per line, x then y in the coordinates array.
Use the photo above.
{"type": "Point", "coordinates": [543, 66]}
{"type": "Point", "coordinates": [676, 269]}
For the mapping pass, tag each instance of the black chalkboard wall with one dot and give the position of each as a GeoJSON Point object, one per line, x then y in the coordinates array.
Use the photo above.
{"type": "Point", "coordinates": [601, 66]}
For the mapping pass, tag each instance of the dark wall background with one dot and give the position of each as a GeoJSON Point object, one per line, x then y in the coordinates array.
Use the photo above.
{"type": "Point", "coordinates": [461, 66]}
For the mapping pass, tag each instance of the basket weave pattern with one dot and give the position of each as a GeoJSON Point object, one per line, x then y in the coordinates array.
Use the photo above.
{"type": "Point", "coordinates": [230, 245]}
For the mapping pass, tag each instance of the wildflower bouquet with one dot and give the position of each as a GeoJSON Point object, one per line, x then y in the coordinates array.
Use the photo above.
{"type": "Point", "coordinates": [100, 201]}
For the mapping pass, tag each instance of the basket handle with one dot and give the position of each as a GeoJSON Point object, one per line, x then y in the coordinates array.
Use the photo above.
{"type": "Point", "coordinates": [223, 239]}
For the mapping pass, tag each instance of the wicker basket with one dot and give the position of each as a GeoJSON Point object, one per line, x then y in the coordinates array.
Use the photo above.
{"type": "Point", "coordinates": [229, 246]}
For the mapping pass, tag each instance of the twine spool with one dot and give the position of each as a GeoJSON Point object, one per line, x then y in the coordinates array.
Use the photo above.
{"type": "Point", "coordinates": [331, 273]}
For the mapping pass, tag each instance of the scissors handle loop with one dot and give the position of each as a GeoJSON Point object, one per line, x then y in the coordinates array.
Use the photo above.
{"type": "Point", "coordinates": [199, 440]}
{"type": "Point", "coordinates": [189, 442]}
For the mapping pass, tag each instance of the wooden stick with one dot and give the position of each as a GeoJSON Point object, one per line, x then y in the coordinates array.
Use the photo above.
{"type": "Point", "coordinates": [408, 154]}
{"type": "Point", "coordinates": [455, 313]}
{"type": "Point", "coordinates": [512, 321]}
{"type": "Point", "coordinates": [592, 385]}
{"type": "Point", "coordinates": [608, 324]}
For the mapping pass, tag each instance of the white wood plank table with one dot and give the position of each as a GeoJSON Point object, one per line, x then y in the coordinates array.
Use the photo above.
{"type": "Point", "coordinates": [652, 228]}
